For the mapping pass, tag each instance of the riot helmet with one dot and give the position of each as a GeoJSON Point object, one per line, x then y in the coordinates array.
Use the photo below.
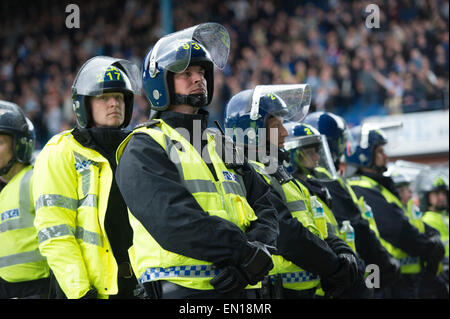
{"type": "Point", "coordinates": [13, 122]}
{"type": "Point", "coordinates": [206, 45]}
{"type": "Point", "coordinates": [335, 129]}
{"type": "Point", "coordinates": [249, 110]}
{"type": "Point", "coordinates": [103, 74]}
{"type": "Point", "coordinates": [309, 152]}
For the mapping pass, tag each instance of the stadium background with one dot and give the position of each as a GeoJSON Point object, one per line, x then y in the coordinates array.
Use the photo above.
{"type": "Point", "coordinates": [397, 71]}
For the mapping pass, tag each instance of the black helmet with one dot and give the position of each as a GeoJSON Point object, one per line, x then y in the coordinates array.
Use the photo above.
{"type": "Point", "coordinates": [103, 74]}
{"type": "Point", "coordinates": [13, 122]}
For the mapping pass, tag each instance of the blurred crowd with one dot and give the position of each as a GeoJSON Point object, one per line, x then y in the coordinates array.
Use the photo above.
{"type": "Point", "coordinates": [402, 66]}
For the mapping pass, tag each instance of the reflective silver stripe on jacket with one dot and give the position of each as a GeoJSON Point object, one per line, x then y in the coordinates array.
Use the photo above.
{"type": "Point", "coordinates": [55, 200]}
{"type": "Point", "coordinates": [298, 205]}
{"type": "Point", "coordinates": [66, 230]}
{"type": "Point", "coordinates": [409, 261]}
{"type": "Point", "coordinates": [25, 218]}
{"type": "Point", "coordinates": [21, 258]}
{"type": "Point", "coordinates": [200, 271]}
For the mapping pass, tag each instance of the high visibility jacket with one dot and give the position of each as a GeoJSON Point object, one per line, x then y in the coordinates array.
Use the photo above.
{"type": "Point", "coordinates": [409, 265]}
{"type": "Point", "coordinates": [71, 190]}
{"type": "Point", "coordinates": [439, 221]}
{"type": "Point", "coordinates": [297, 200]}
{"type": "Point", "coordinates": [224, 198]}
{"type": "Point", "coordinates": [20, 259]}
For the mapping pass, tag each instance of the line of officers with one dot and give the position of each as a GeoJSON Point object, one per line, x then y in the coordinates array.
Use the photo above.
{"type": "Point", "coordinates": [175, 209]}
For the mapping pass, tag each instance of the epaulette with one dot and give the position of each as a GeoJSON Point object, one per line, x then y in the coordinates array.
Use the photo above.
{"type": "Point", "coordinates": [147, 124]}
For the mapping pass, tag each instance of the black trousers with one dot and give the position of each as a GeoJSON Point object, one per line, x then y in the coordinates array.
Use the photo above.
{"type": "Point", "coordinates": [36, 289]}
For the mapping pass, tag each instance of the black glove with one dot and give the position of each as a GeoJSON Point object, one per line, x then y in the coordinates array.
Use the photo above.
{"type": "Point", "coordinates": [229, 281]}
{"type": "Point", "coordinates": [435, 255]}
{"type": "Point", "coordinates": [390, 272]}
{"type": "Point", "coordinates": [346, 276]}
{"type": "Point", "coordinates": [256, 262]}
{"type": "Point", "coordinates": [91, 294]}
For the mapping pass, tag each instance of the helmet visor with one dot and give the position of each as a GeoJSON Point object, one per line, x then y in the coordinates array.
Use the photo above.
{"type": "Point", "coordinates": [289, 101]}
{"type": "Point", "coordinates": [103, 72]}
{"type": "Point", "coordinates": [173, 52]}
{"type": "Point", "coordinates": [311, 153]}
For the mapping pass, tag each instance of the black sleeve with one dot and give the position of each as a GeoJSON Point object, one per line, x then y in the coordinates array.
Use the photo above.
{"type": "Point", "coordinates": [151, 187]}
{"type": "Point", "coordinates": [367, 244]}
{"type": "Point", "coordinates": [393, 225]}
{"type": "Point", "coordinates": [300, 246]}
{"type": "Point", "coordinates": [265, 228]}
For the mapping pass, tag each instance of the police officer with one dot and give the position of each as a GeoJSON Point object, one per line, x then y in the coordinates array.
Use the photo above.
{"type": "Point", "coordinates": [406, 242]}
{"type": "Point", "coordinates": [311, 163]}
{"type": "Point", "coordinates": [433, 194]}
{"type": "Point", "coordinates": [24, 272]}
{"type": "Point", "coordinates": [304, 259]}
{"type": "Point", "coordinates": [81, 217]}
{"type": "Point", "coordinates": [346, 205]}
{"type": "Point", "coordinates": [201, 228]}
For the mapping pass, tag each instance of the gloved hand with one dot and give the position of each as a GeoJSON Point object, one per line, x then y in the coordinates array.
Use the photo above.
{"type": "Point", "coordinates": [255, 263]}
{"type": "Point", "coordinates": [435, 255]}
{"type": "Point", "coordinates": [390, 272]}
{"type": "Point", "coordinates": [346, 276]}
{"type": "Point", "coordinates": [229, 281]}
{"type": "Point", "coordinates": [91, 294]}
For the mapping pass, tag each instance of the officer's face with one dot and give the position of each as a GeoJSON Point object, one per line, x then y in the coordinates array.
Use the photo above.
{"type": "Point", "coordinates": [108, 109]}
{"type": "Point", "coordinates": [6, 149]}
{"type": "Point", "coordinates": [438, 200]}
{"type": "Point", "coordinates": [276, 130]}
{"type": "Point", "coordinates": [380, 157]}
{"type": "Point", "coordinates": [190, 81]}
{"type": "Point", "coordinates": [405, 194]}
{"type": "Point", "coordinates": [310, 157]}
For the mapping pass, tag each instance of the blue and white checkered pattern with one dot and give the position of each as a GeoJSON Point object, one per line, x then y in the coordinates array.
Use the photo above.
{"type": "Point", "coordinates": [296, 277]}
{"type": "Point", "coordinates": [409, 260]}
{"type": "Point", "coordinates": [152, 274]}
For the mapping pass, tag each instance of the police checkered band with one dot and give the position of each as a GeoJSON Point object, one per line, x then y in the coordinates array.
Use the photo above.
{"type": "Point", "coordinates": [152, 274]}
{"type": "Point", "coordinates": [409, 260]}
{"type": "Point", "coordinates": [296, 277]}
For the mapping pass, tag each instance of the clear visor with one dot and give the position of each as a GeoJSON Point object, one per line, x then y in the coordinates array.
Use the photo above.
{"type": "Point", "coordinates": [293, 104]}
{"type": "Point", "coordinates": [96, 73]}
{"type": "Point", "coordinates": [173, 52]}
{"type": "Point", "coordinates": [312, 153]}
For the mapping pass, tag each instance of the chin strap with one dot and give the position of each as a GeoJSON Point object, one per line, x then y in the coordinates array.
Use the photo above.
{"type": "Point", "coordinates": [196, 100]}
{"type": "Point", "coordinates": [5, 170]}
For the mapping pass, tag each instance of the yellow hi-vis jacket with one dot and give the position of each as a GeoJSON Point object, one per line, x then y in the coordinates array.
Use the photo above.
{"type": "Point", "coordinates": [71, 190]}
{"type": "Point", "coordinates": [439, 221]}
{"type": "Point", "coordinates": [409, 265]}
{"type": "Point", "coordinates": [224, 198]}
{"type": "Point", "coordinates": [20, 259]}
{"type": "Point", "coordinates": [297, 200]}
